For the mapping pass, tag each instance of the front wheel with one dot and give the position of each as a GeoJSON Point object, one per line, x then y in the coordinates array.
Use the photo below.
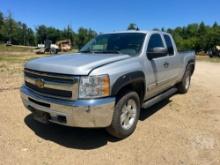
{"type": "Point", "coordinates": [53, 51]}
{"type": "Point", "coordinates": [125, 116]}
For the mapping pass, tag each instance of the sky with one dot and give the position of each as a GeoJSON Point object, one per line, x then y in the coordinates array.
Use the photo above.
{"type": "Point", "coordinates": [112, 15]}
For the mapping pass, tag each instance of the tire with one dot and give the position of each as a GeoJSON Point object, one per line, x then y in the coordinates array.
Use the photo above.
{"type": "Point", "coordinates": [53, 51]}
{"type": "Point", "coordinates": [184, 85]}
{"type": "Point", "coordinates": [126, 115]}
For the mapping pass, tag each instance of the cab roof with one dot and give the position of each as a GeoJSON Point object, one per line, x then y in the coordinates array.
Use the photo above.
{"type": "Point", "coordinates": [138, 31]}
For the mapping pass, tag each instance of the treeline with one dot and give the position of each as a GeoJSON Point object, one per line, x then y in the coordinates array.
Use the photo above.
{"type": "Point", "coordinates": [19, 33]}
{"type": "Point", "coordinates": [78, 39]}
{"type": "Point", "coordinates": [198, 37]}
{"type": "Point", "coordinates": [16, 32]}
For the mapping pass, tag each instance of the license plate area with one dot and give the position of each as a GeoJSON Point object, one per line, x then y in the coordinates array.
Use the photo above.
{"type": "Point", "coordinates": [40, 116]}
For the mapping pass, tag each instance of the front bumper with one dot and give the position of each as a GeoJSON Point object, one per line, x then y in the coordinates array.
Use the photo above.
{"type": "Point", "coordinates": [91, 113]}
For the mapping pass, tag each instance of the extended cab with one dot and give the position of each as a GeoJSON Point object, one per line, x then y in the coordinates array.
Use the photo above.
{"type": "Point", "coordinates": [108, 82]}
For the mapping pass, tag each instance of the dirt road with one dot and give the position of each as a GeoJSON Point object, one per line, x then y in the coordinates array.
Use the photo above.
{"type": "Point", "coordinates": [183, 130]}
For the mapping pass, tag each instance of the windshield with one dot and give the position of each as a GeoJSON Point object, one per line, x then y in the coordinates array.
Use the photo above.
{"type": "Point", "coordinates": [118, 43]}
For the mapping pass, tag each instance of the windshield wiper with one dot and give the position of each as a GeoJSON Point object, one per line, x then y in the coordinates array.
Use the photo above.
{"type": "Point", "coordinates": [109, 51]}
{"type": "Point", "coordinates": [86, 51]}
{"type": "Point", "coordinates": [104, 51]}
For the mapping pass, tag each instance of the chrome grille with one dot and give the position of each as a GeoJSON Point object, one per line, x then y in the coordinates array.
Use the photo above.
{"type": "Point", "coordinates": [54, 85]}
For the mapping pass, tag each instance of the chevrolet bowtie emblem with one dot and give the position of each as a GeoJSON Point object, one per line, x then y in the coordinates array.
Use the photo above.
{"type": "Point", "coordinates": [39, 83]}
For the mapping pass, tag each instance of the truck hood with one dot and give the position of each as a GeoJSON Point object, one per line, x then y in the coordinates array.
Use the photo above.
{"type": "Point", "coordinates": [75, 64]}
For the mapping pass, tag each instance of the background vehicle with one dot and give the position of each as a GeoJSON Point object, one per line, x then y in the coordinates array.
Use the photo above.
{"type": "Point", "coordinates": [47, 47]}
{"type": "Point", "coordinates": [215, 52]}
{"type": "Point", "coordinates": [64, 45]}
{"type": "Point", "coordinates": [8, 43]}
{"type": "Point", "coordinates": [108, 82]}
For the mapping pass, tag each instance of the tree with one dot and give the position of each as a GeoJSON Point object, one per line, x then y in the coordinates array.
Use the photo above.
{"type": "Point", "coordinates": [1, 19]}
{"type": "Point", "coordinates": [30, 37]}
{"type": "Point", "coordinates": [1, 24]}
{"type": "Point", "coordinates": [132, 26]}
{"type": "Point", "coordinates": [53, 34]}
{"type": "Point", "coordinates": [41, 33]}
{"type": "Point", "coordinates": [215, 25]}
{"type": "Point", "coordinates": [156, 29]}
{"type": "Point", "coordinates": [68, 33]}
{"type": "Point", "coordinates": [192, 29]}
{"type": "Point", "coordinates": [84, 35]}
{"type": "Point", "coordinates": [202, 36]}
{"type": "Point", "coordinates": [9, 27]}
{"type": "Point", "coordinates": [24, 33]}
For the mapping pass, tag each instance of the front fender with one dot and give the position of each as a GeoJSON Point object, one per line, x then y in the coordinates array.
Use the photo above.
{"type": "Point", "coordinates": [126, 79]}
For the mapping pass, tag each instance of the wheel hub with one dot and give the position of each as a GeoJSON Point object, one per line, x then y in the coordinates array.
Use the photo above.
{"type": "Point", "coordinates": [129, 112]}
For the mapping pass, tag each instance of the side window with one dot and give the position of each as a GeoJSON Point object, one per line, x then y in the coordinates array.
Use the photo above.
{"type": "Point", "coordinates": [169, 45]}
{"type": "Point", "coordinates": [155, 41]}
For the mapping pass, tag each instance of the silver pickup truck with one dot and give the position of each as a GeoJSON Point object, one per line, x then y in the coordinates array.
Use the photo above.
{"type": "Point", "coordinates": [108, 82]}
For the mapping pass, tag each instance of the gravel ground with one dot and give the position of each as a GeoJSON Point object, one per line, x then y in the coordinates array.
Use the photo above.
{"type": "Point", "coordinates": [184, 129]}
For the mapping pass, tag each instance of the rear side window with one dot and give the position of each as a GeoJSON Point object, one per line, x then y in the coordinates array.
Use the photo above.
{"type": "Point", "coordinates": [169, 44]}
{"type": "Point", "coordinates": [155, 41]}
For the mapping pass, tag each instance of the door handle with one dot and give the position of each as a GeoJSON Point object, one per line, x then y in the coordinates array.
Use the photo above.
{"type": "Point", "coordinates": [166, 65]}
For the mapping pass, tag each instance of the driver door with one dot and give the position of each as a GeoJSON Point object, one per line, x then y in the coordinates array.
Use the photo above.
{"type": "Point", "coordinates": [159, 66]}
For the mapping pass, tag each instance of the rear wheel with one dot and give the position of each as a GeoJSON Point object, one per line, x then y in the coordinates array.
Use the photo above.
{"type": "Point", "coordinates": [126, 115]}
{"type": "Point", "coordinates": [184, 85]}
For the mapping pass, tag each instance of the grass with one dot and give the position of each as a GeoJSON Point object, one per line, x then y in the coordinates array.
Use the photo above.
{"type": "Point", "coordinates": [13, 63]}
{"type": "Point", "coordinates": [18, 58]}
{"type": "Point", "coordinates": [15, 48]}
{"type": "Point", "coordinates": [207, 58]}
{"type": "Point", "coordinates": [12, 58]}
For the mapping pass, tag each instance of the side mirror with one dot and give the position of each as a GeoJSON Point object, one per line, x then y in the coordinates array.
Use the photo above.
{"type": "Point", "coordinates": [157, 52]}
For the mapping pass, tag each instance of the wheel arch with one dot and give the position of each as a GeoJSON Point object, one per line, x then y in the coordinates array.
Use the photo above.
{"type": "Point", "coordinates": [130, 81]}
{"type": "Point", "coordinates": [191, 64]}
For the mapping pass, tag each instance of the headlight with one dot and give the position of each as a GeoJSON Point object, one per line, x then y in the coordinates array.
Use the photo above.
{"type": "Point", "coordinates": [94, 86]}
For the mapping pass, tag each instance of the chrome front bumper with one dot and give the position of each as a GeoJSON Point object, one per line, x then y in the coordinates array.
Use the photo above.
{"type": "Point", "coordinates": [79, 113]}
